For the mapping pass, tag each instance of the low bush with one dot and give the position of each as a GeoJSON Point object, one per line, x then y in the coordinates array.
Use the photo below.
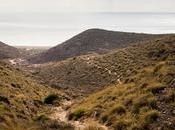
{"type": "Point", "coordinates": [4, 99]}
{"type": "Point", "coordinates": [140, 102]}
{"type": "Point", "coordinates": [151, 116]}
{"type": "Point", "coordinates": [50, 99]}
{"type": "Point", "coordinates": [120, 125]}
{"type": "Point", "coordinates": [119, 109]}
{"type": "Point", "coordinates": [104, 118]}
{"type": "Point", "coordinates": [156, 89]}
{"type": "Point", "coordinates": [152, 102]}
{"type": "Point", "coordinates": [170, 97]}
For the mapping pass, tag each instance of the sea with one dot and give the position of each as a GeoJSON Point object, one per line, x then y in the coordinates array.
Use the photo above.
{"type": "Point", "coordinates": [49, 29]}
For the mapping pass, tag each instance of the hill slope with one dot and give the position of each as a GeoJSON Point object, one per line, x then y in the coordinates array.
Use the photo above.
{"type": "Point", "coordinates": [22, 101]}
{"type": "Point", "coordinates": [7, 51]}
{"type": "Point", "coordinates": [93, 72]}
{"type": "Point", "coordinates": [143, 101]}
{"type": "Point", "coordinates": [90, 41]}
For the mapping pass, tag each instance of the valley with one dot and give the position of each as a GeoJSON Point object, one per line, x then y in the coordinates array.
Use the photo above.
{"type": "Point", "coordinates": [97, 80]}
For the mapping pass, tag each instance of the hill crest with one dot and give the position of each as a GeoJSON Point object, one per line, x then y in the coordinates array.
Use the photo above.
{"type": "Point", "coordinates": [91, 41]}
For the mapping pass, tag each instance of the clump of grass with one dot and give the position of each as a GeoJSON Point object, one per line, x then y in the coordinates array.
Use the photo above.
{"type": "Point", "coordinates": [50, 99]}
{"type": "Point", "coordinates": [55, 125]}
{"type": "Point", "coordinates": [170, 97]}
{"type": "Point", "coordinates": [156, 89]}
{"type": "Point", "coordinates": [77, 114]}
{"type": "Point", "coordinates": [119, 109]}
{"type": "Point", "coordinates": [93, 127]}
{"type": "Point", "coordinates": [151, 116]}
{"type": "Point", "coordinates": [41, 118]}
{"type": "Point", "coordinates": [120, 125]}
{"type": "Point", "coordinates": [104, 118]}
{"type": "Point", "coordinates": [143, 85]}
{"type": "Point", "coordinates": [140, 102]}
{"type": "Point", "coordinates": [152, 102]}
{"type": "Point", "coordinates": [157, 68]}
{"type": "Point", "coordinates": [4, 99]}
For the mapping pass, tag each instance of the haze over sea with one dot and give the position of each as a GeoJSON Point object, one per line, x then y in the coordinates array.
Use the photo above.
{"type": "Point", "coordinates": [43, 29]}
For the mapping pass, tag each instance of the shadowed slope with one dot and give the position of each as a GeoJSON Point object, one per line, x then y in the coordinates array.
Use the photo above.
{"type": "Point", "coordinates": [8, 51]}
{"type": "Point", "coordinates": [91, 41]}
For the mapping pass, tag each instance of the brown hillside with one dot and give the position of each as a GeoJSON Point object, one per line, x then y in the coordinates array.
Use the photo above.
{"type": "Point", "coordinates": [23, 101]}
{"type": "Point", "coordinates": [7, 51]}
{"type": "Point", "coordinates": [93, 72]}
{"type": "Point", "coordinates": [145, 100]}
{"type": "Point", "coordinates": [90, 41]}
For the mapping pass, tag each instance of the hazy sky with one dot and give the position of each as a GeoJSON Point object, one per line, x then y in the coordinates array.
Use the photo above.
{"type": "Point", "coordinates": [87, 5]}
{"type": "Point", "coordinates": [49, 22]}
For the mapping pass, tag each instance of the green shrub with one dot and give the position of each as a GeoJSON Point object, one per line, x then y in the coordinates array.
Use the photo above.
{"type": "Point", "coordinates": [50, 99]}
{"type": "Point", "coordinates": [119, 109]}
{"type": "Point", "coordinates": [76, 114]}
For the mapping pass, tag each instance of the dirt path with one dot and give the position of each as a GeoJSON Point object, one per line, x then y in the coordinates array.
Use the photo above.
{"type": "Point", "coordinates": [59, 113]}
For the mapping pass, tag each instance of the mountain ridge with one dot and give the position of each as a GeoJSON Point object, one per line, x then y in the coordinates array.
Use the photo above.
{"type": "Point", "coordinates": [91, 41]}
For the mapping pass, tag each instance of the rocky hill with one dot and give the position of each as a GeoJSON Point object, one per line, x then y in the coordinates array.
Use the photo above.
{"type": "Point", "coordinates": [90, 41]}
{"type": "Point", "coordinates": [7, 51]}
{"type": "Point", "coordinates": [93, 72]}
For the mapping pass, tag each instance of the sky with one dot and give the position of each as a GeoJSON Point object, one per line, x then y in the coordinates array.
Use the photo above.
{"type": "Point", "coordinates": [50, 22]}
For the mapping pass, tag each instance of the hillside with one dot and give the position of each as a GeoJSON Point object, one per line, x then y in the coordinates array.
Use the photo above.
{"type": "Point", "coordinates": [86, 74]}
{"type": "Point", "coordinates": [7, 51]}
{"type": "Point", "coordinates": [144, 99]}
{"type": "Point", "coordinates": [90, 41]}
{"type": "Point", "coordinates": [24, 102]}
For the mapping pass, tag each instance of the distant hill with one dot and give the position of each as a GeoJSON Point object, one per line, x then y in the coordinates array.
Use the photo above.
{"type": "Point", "coordinates": [90, 41]}
{"type": "Point", "coordinates": [7, 51]}
{"type": "Point", "coordinates": [89, 73]}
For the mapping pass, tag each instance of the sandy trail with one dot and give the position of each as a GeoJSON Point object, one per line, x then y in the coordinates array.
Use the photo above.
{"type": "Point", "coordinates": [59, 113]}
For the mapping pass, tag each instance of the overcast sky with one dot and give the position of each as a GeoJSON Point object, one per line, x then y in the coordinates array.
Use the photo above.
{"type": "Point", "coordinates": [49, 22]}
{"type": "Point", "coordinates": [88, 5]}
